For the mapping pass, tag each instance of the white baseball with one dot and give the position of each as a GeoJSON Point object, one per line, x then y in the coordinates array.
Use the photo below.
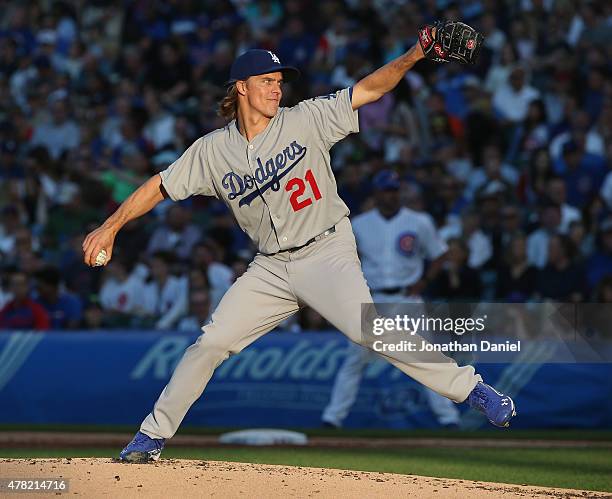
{"type": "Point", "coordinates": [101, 258]}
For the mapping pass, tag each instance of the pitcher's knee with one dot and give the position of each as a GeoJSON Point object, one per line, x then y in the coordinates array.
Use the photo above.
{"type": "Point", "coordinates": [213, 345]}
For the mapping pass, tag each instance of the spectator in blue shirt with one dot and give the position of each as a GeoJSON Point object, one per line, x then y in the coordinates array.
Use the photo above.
{"type": "Point", "coordinates": [64, 309]}
{"type": "Point", "coordinates": [9, 166]}
{"type": "Point", "coordinates": [583, 173]}
{"type": "Point", "coordinates": [600, 264]}
{"type": "Point", "coordinates": [563, 277]}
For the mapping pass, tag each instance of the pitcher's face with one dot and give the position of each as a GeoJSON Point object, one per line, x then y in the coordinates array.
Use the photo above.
{"type": "Point", "coordinates": [264, 93]}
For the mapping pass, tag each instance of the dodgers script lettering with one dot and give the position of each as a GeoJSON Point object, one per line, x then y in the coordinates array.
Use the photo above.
{"type": "Point", "coordinates": [267, 174]}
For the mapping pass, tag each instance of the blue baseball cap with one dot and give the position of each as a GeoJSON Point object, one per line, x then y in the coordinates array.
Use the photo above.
{"type": "Point", "coordinates": [258, 62]}
{"type": "Point", "coordinates": [386, 180]}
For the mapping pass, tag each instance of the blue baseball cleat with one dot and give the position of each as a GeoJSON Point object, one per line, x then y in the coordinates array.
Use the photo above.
{"type": "Point", "coordinates": [497, 407]}
{"type": "Point", "coordinates": [142, 449]}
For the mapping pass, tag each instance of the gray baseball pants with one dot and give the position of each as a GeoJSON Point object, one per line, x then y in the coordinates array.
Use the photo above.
{"type": "Point", "coordinates": [325, 275]}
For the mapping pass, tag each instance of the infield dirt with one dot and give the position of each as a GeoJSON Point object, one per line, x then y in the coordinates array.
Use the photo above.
{"type": "Point", "coordinates": [93, 478]}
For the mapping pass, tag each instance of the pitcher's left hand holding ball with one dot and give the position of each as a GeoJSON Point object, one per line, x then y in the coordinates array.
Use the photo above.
{"type": "Point", "coordinates": [100, 239]}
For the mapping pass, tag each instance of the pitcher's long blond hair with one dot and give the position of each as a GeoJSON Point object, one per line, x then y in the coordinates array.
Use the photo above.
{"type": "Point", "coordinates": [228, 107]}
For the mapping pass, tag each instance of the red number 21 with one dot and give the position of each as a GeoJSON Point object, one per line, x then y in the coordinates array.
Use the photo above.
{"type": "Point", "coordinates": [299, 192]}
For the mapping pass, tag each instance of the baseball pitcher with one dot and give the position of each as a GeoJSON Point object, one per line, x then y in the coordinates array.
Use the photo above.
{"type": "Point", "coordinates": [271, 167]}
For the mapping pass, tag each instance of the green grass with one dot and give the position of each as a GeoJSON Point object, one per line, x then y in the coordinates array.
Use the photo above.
{"type": "Point", "coordinates": [565, 434]}
{"type": "Point", "coordinates": [589, 469]}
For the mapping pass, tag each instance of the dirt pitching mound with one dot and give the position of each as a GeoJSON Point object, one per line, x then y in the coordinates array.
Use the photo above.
{"type": "Point", "coordinates": [94, 478]}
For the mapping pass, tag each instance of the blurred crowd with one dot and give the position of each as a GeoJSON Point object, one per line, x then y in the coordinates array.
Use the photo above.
{"type": "Point", "coordinates": [511, 157]}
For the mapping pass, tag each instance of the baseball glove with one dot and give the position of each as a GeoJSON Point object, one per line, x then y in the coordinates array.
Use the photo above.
{"type": "Point", "coordinates": [452, 41]}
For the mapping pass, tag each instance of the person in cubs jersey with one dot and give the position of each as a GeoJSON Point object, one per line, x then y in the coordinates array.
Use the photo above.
{"type": "Point", "coordinates": [271, 166]}
{"type": "Point", "coordinates": [393, 243]}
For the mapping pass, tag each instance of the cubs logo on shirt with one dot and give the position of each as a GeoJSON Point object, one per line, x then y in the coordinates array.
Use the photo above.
{"type": "Point", "coordinates": [407, 243]}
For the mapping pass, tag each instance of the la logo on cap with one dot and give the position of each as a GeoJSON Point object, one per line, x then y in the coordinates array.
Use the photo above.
{"type": "Point", "coordinates": [274, 57]}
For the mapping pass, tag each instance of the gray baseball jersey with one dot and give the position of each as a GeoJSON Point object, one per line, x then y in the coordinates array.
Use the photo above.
{"type": "Point", "coordinates": [280, 186]}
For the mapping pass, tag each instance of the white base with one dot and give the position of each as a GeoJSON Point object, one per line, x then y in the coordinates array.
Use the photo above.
{"type": "Point", "coordinates": [264, 436]}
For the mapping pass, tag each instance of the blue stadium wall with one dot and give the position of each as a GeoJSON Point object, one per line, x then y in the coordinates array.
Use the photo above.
{"type": "Point", "coordinates": [282, 380]}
